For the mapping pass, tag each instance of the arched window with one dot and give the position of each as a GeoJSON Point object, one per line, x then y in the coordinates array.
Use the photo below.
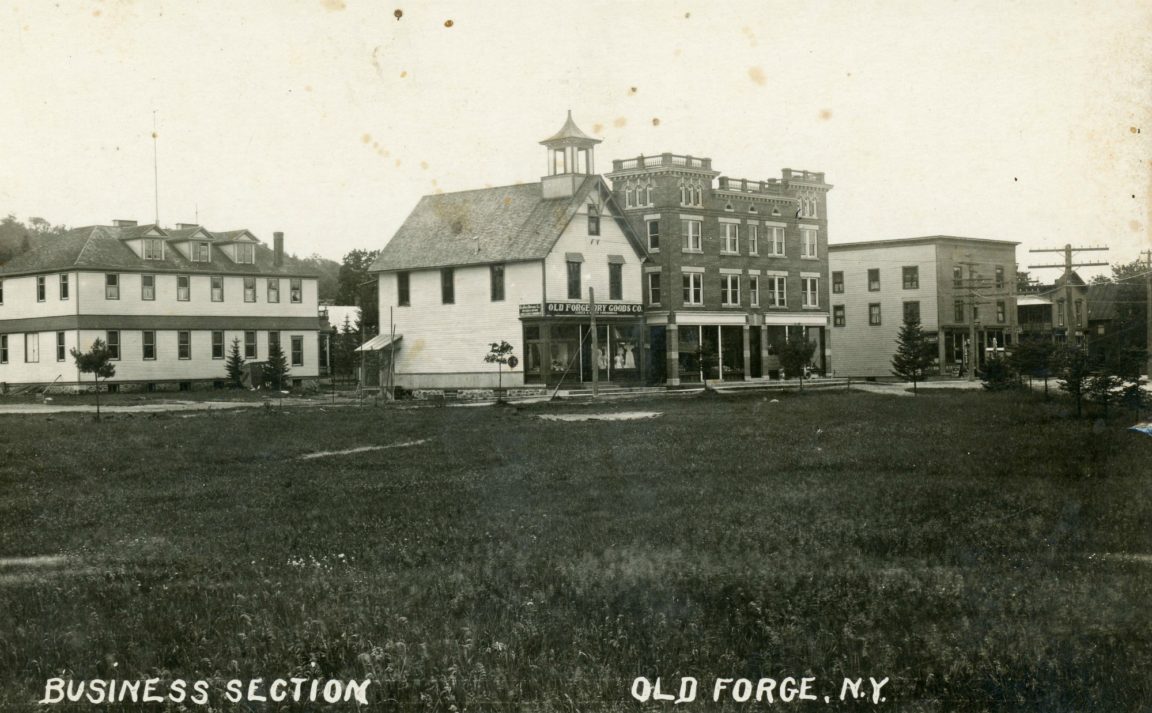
{"type": "Point", "coordinates": [648, 194]}
{"type": "Point", "coordinates": [628, 196]}
{"type": "Point", "coordinates": [684, 199]}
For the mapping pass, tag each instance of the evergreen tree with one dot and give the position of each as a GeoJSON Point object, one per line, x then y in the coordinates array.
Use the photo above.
{"type": "Point", "coordinates": [795, 354]}
{"type": "Point", "coordinates": [1033, 358]}
{"type": "Point", "coordinates": [276, 369]}
{"type": "Point", "coordinates": [914, 354]}
{"type": "Point", "coordinates": [234, 365]}
{"type": "Point", "coordinates": [97, 361]}
{"type": "Point", "coordinates": [996, 374]}
{"type": "Point", "coordinates": [1073, 372]}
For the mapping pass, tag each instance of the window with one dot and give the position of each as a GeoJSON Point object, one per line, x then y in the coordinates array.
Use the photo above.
{"type": "Point", "coordinates": [728, 207]}
{"type": "Point", "coordinates": [690, 229]}
{"type": "Point", "coordinates": [201, 252]}
{"type": "Point", "coordinates": [1, 292]}
{"type": "Point", "coordinates": [64, 286]}
{"type": "Point", "coordinates": [731, 239]}
{"type": "Point", "coordinates": [1001, 309]}
{"type": "Point", "coordinates": [1078, 305]}
{"type": "Point", "coordinates": [112, 339]}
{"type": "Point", "coordinates": [808, 242]}
{"type": "Point", "coordinates": [41, 290]}
{"type": "Point", "coordinates": [911, 277]}
{"type": "Point", "coordinates": [496, 279]}
{"type": "Point", "coordinates": [648, 194]}
{"type": "Point", "coordinates": [754, 291]}
{"type": "Point", "coordinates": [3, 348]}
{"type": "Point", "coordinates": [693, 288]}
{"type": "Point", "coordinates": [838, 316]}
{"type": "Point", "coordinates": [147, 287]}
{"type": "Point", "coordinates": [183, 288]}
{"type": "Point", "coordinates": [573, 280]}
{"type": "Point", "coordinates": [593, 220]}
{"type": "Point", "coordinates": [245, 253]}
{"type": "Point", "coordinates": [297, 351]}
{"type": "Point", "coordinates": [184, 345]}
{"type": "Point", "coordinates": [838, 282]}
{"type": "Point", "coordinates": [32, 347]}
{"type": "Point", "coordinates": [753, 239]}
{"type": "Point", "coordinates": [957, 278]}
{"type": "Point", "coordinates": [654, 235]}
{"type": "Point", "coordinates": [873, 314]}
{"type": "Point", "coordinates": [61, 352]}
{"type": "Point", "coordinates": [810, 289]}
{"type": "Point", "coordinates": [249, 289]}
{"type": "Point", "coordinates": [874, 280]}
{"type": "Point", "coordinates": [615, 281]}
{"type": "Point", "coordinates": [273, 341]}
{"type": "Point", "coordinates": [217, 288]}
{"type": "Point", "coordinates": [628, 192]}
{"type": "Point", "coordinates": [273, 290]}
{"type": "Point", "coordinates": [402, 295]}
{"type": "Point", "coordinates": [153, 249]}
{"type": "Point", "coordinates": [217, 344]}
{"type": "Point", "coordinates": [296, 290]}
{"type": "Point", "coordinates": [958, 311]}
{"type": "Point", "coordinates": [999, 277]}
{"type": "Point", "coordinates": [654, 288]}
{"type": "Point", "coordinates": [148, 341]}
{"type": "Point", "coordinates": [776, 241]}
{"type": "Point", "coordinates": [250, 344]}
{"type": "Point", "coordinates": [777, 296]}
{"type": "Point", "coordinates": [112, 287]}
{"type": "Point", "coordinates": [730, 290]}
{"type": "Point", "coordinates": [912, 312]}
{"type": "Point", "coordinates": [448, 286]}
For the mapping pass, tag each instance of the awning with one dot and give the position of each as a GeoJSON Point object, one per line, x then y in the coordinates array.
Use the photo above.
{"type": "Point", "coordinates": [1031, 301]}
{"type": "Point", "coordinates": [380, 343]}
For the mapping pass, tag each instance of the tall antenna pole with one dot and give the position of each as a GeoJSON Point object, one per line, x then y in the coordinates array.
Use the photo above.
{"type": "Point", "coordinates": [155, 168]}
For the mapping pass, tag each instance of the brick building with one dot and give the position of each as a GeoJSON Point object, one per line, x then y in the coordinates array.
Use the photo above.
{"type": "Point", "coordinates": [735, 267]}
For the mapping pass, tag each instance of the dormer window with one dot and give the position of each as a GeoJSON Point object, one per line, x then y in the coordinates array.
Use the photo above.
{"type": "Point", "coordinates": [246, 253]}
{"type": "Point", "coordinates": [201, 252]}
{"type": "Point", "coordinates": [593, 219]}
{"type": "Point", "coordinates": [153, 249]}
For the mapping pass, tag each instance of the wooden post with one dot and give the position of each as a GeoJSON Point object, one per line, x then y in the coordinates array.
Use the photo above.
{"type": "Point", "coordinates": [595, 344]}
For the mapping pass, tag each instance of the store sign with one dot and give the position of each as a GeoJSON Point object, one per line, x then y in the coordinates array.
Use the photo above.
{"type": "Point", "coordinates": [581, 308]}
{"type": "Point", "coordinates": [532, 310]}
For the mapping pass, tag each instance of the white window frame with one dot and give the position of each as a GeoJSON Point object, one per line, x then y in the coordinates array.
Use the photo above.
{"type": "Point", "coordinates": [297, 339]}
{"type": "Point", "coordinates": [32, 347]}
{"type": "Point", "coordinates": [692, 288]}
{"type": "Point", "coordinates": [296, 290]}
{"type": "Point", "coordinates": [810, 292]}
{"type": "Point", "coordinates": [184, 294]}
{"type": "Point", "coordinates": [753, 239]}
{"type": "Point", "coordinates": [688, 245]}
{"type": "Point", "coordinates": [65, 287]}
{"type": "Point", "coordinates": [273, 290]}
{"type": "Point", "coordinates": [201, 252]}
{"type": "Point", "coordinates": [754, 290]}
{"type": "Point", "coordinates": [41, 288]}
{"type": "Point", "coordinates": [730, 290]}
{"type": "Point", "coordinates": [111, 286]}
{"type": "Point", "coordinates": [809, 239]}
{"type": "Point", "coordinates": [184, 344]}
{"type": "Point", "coordinates": [777, 291]}
{"type": "Point", "coordinates": [144, 345]}
{"type": "Point", "coordinates": [777, 247]}
{"type": "Point", "coordinates": [654, 296]}
{"type": "Point", "coordinates": [148, 292]}
{"type": "Point", "coordinates": [731, 245]}
{"type": "Point", "coordinates": [246, 253]}
{"type": "Point", "coordinates": [150, 249]}
{"type": "Point", "coordinates": [217, 292]}
{"type": "Point", "coordinates": [249, 291]}
{"type": "Point", "coordinates": [648, 227]}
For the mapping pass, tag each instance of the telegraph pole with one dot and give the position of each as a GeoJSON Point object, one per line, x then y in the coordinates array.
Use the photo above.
{"type": "Point", "coordinates": [972, 305]}
{"type": "Point", "coordinates": [595, 345]}
{"type": "Point", "coordinates": [1068, 265]}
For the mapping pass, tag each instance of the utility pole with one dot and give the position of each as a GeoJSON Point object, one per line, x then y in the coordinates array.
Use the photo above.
{"type": "Point", "coordinates": [1069, 314]}
{"type": "Point", "coordinates": [1148, 312]}
{"type": "Point", "coordinates": [595, 345]}
{"type": "Point", "coordinates": [156, 168]}
{"type": "Point", "coordinates": [972, 305]}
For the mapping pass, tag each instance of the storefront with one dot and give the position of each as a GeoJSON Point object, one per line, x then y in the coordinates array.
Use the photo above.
{"type": "Point", "coordinates": [559, 344]}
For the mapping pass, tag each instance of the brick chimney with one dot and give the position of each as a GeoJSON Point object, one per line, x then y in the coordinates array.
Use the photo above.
{"type": "Point", "coordinates": [277, 249]}
{"type": "Point", "coordinates": [123, 223]}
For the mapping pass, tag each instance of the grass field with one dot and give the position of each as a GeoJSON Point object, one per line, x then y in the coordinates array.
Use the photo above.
{"type": "Point", "coordinates": [984, 552]}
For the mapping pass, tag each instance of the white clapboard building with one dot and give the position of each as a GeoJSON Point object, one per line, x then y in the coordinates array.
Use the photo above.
{"type": "Point", "coordinates": [168, 302]}
{"type": "Point", "coordinates": [515, 264]}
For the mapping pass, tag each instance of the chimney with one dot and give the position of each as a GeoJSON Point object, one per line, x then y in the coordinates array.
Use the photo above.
{"type": "Point", "coordinates": [277, 249]}
{"type": "Point", "coordinates": [123, 223]}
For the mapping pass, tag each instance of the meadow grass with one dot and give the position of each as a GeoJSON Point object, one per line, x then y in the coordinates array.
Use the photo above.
{"type": "Point", "coordinates": [982, 551]}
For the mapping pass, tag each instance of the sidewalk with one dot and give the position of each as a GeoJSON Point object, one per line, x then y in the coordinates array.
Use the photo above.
{"type": "Point", "coordinates": [155, 407]}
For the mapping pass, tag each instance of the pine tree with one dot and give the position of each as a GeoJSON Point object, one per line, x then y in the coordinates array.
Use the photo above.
{"type": "Point", "coordinates": [914, 354]}
{"type": "Point", "coordinates": [795, 354]}
{"type": "Point", "coordinates": [97, 361]}
{"type": "Point", "coordinates": [276, 370]}
{"type": "Point", "coordinates": [1074, 372]}
{"type": "Point", "coordinates": [234, 366]}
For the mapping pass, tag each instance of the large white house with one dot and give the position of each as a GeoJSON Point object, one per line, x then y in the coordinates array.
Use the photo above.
{"type": "Point", "coordinates": [515, 264]}
{"type": "Point", "coordinates": [168, 303]}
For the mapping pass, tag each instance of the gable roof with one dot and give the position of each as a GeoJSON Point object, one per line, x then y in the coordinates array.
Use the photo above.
{"type": "Point", "coordinates": [1102, 300]}
{"type": "Point", "coordinates": [100, 247]}
{"type": "Point", "coordinates": [490, 225]}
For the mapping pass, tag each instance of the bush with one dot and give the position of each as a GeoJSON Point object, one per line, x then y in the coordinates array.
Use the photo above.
{"type": "Point", "coordinates": [997, 375]}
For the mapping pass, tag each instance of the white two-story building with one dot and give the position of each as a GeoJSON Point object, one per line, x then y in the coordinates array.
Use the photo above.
{"type": "Point", "coordinates": [167, 302]}
{"type": "Point", "coordinates": [516, 264]}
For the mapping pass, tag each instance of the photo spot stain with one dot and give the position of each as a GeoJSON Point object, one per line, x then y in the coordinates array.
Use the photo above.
{"type": "Point", "coordinates": [632, 90]}
{"type": "Point", "coordinates": [1134, 129]}
{"type": "Point", "coordinates": [366, 138]}
{"type": "Point", "coordinates": [687, 15]}
{"type": "Point", "coordinates": [825, 114]}
{"type": "Point", "coordinates": [597, 128]}
{"type": "Point", "coordinates": [95, 13]}
{"type": "Point", "coordinates": [403, 74]}
{"type": "Point", "coordinates": [655, 121]}
{"type": "Point", "coordinates": [757, 75]}
{"type": "Point", "coordinates": [620, 122]}
{"type": "Point", "coordinates": [333, 5]}
{"type": "Point", "coordinates": [398, 14]}
{"type": "Point", "coordinates": [1135, 226]}
{"type": "Point", "coordinates": [448, 23]}
{"type": "Point", "coordinates": [424, 165]}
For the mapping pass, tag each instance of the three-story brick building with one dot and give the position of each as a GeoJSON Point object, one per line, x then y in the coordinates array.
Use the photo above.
{"type": "Point", "coordinates": [736, 267]}
{"type": "Point", "coordinates": [168, 302]}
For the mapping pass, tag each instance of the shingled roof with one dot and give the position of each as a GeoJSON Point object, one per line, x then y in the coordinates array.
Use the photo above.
{"type": "Point", "coordinates": [101, 247]}
{"type": "Point", "coordinates": [490, 225]}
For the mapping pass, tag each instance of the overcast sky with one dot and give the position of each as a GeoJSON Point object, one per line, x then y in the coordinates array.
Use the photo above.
{"type": "Point", "coordinates": [328, 119]}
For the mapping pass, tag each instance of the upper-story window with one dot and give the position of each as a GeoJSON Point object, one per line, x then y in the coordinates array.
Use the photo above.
{"type": "Point", "coordinates": [1002, 311]}
{"type": "Point", "coordinates": [573, 279]}
{"type": "Point", "coordinates": [753, 239]}
{"type": "Point", "coordinates": [647, 194]}
{"type": "Point", "coordinates": [64, 286]}
{"type": "Point", "coordinates": [201, 252]}
{"type": "Point", "coordinates": [593, 220]}
{"type": "Point", "coordinates": [912, 312]}
{"type": "Point", "coordinates": [754, 290]}
{"type": "Point", "coordinates": [874, 279]}
{"type": "Point", "coordinates": [3, 348]}
{"type": "Point", "coordinates": [731, 239]}
{"type": "Point", "coordinates": [245, 253]}
{"type": "Point", "coordinates": [999, 277]}
{"type": "Point", "coordinates": [957, 278]}
{"type": "Point", "coordinates": [693, 242]}
{"type": "Point", "coordinates": [654, 288]}
{"type": "Point", "coordinates": [777, 291]}
{"type": "Point", "coordinates": [249, 289]}
{"type": "Point", "coordinates": [808, 242]}
{"type": "Point", "coordinates": [217, 288]}
{"type": "Point", "coordinates": [183, 288]}
{"type": "Point", "coordinates": [1, 292]}
{"type": "Point", "coordinates": [273, 290]}
{"type": "Point", "coordinates": [691, 193]}
{"type": "Point", "coordinates": [810, 291]}
{"type": "Point", "coordinates": [41, 289]}
{"type": "Point", "coordinates": [448, 286]}
{"type": "Point", "coordinates": [403, 296]}
{"type": "Point", "coordinates": [615, 280]}
{"type": "Point", "coordinates": [148, 287]}
{"type": "Point", "coordinates": [654, 235]}
{"type": "Point", "coordinates": [807, 207]}
{"type": "Point", "coordinates": [153, 249]}
{"type": "Point", "coordinates": [911, 276]}
{"type": "Point", "coordinates": [838, 319]}
{"type": "Point", "coordinates": [838, 282]}
{"type": "Point", "coordinates": [296, 290]}
{"type": "Point", "coordinates": [111, 286]}
{"type": "Point", "coordinates": [730, 290]}
{"type": "Point", "coordinates": [775, 241]}
{"type": "Point", "coordinates": [496, 282]}
{"type": "Point", "coordinates": [874, 314]}
{"type": "Point", "coordinates": [693, 288]}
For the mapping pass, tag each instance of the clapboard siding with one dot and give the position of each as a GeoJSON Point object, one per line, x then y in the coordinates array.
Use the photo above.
{"type": "Point", "coordinates": [20, 296]}
{"type": "Point", "coordinates": [594, 270]}
{"type": "Point", "coordinates": [93, 300]}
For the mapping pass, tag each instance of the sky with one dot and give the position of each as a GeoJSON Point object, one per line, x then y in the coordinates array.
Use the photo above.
{"type": "Point", "coordinates": [328, 119]}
